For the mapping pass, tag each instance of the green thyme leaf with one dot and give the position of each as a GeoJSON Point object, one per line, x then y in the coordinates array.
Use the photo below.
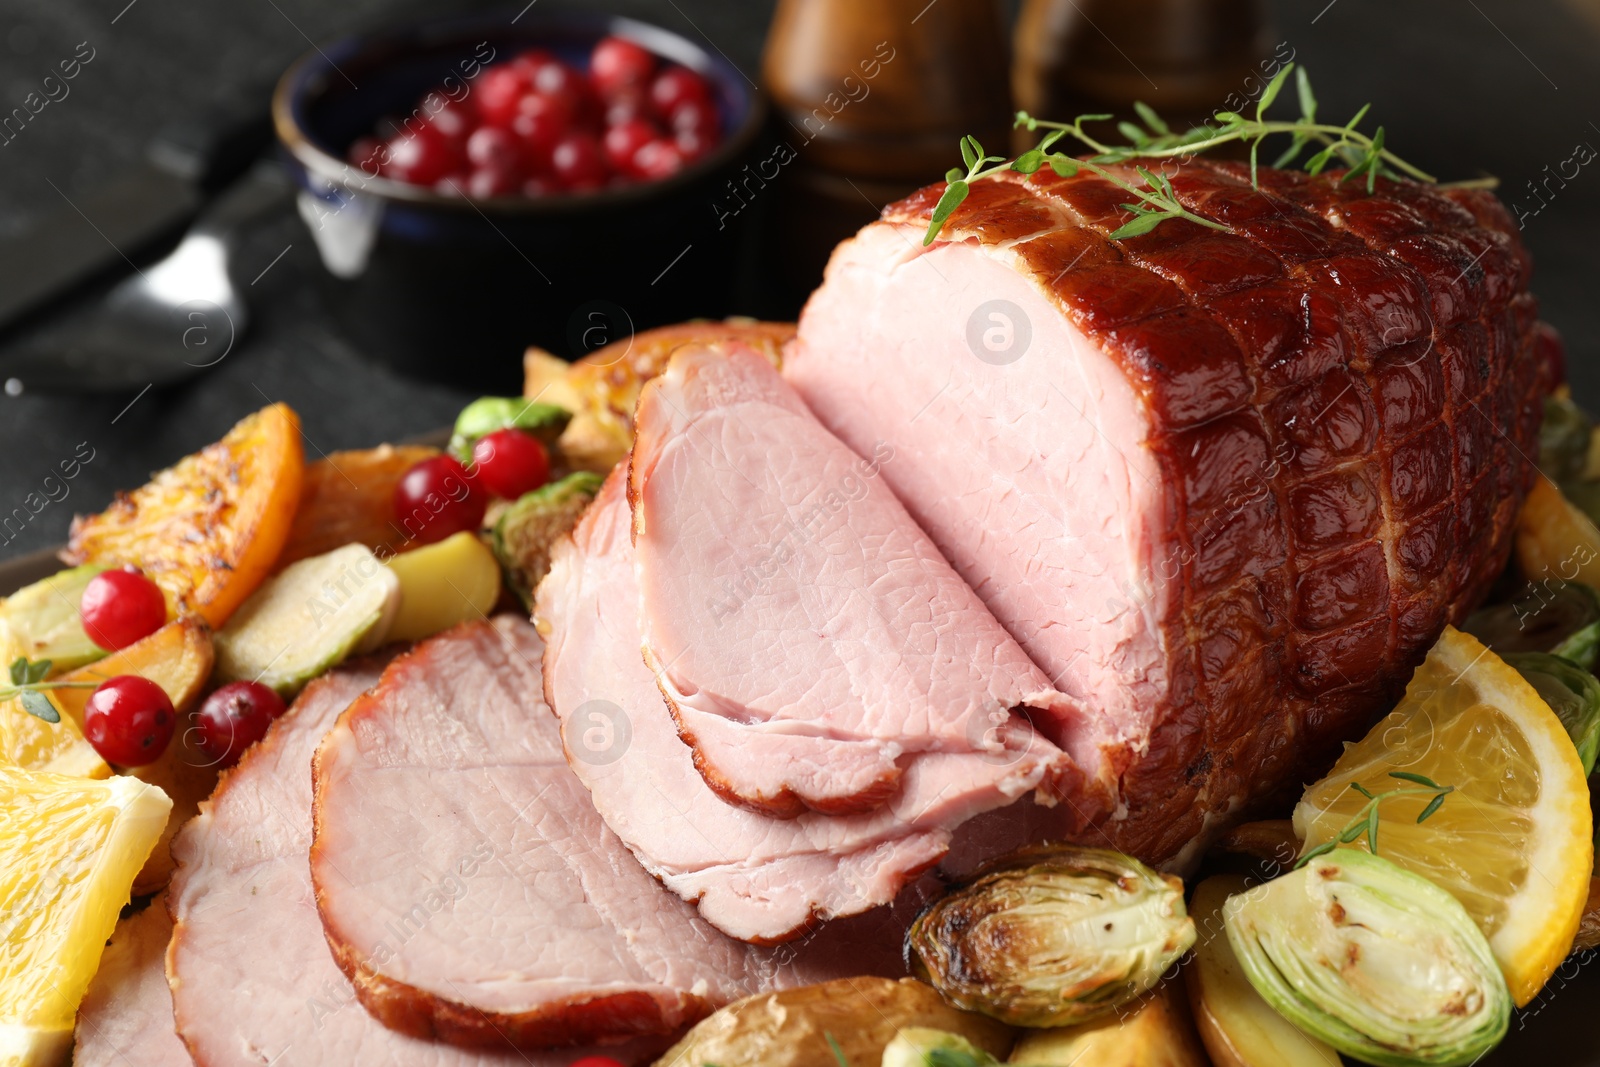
{"type": "Point", "coordinates": [1142, 223]}
{"type": "Point", "coordinates": [953, 195]}
{"type": "Point", "coordinates": [1148, 116]}
{"type": "Point", "coordinates": [38, 705]}
{"type": "Point", "coordinates": [1433, 806]}
{"type": "Point", "coordinates": [1308, 102]}
{"type": "Point", "coordinates": [838, 1053]}
{"type": "Point", "coordinates": [1270, 94]}
{"type": "Point", "coordinates": [1411, 776]}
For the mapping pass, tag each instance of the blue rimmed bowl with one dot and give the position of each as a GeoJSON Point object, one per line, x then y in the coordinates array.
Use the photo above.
{"type": "Point", "coordinates": [454, 289]}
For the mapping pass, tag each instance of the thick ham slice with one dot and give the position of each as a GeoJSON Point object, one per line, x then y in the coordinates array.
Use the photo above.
{"type": "Point", "coordinates": [253, 981]}
{"type": "Point", "coordinates": [125, 1019]}
{"type": "Point", "coordinates": [810, 640]}
{"type": "Point", "coordinates": [471, 891]}
{"type": "Point", "coordinates": [1225, 488]}
{"type": "Point", "coordinates": [754, 876]}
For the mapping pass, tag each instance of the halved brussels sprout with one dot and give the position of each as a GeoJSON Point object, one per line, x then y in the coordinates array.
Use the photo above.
{"type": "Point", "coordinates": [1378, 962]}
{"type": "Point", "coordinates": [1572, 693]}
{"type": "Point", "coordinates": [1053, 935]}
{"type": "Point", "coordinates": [526, 531]}
{"type": "Point", "coordinates": [487, 414]}
{"type": "Point", "coordinates": [1554, 614]}
{"type": "Point", "coordinates": [1563, 439]}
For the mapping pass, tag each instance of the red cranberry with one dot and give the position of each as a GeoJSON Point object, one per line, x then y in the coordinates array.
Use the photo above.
{"type": "Point", "coordinates": [121, 606]}
{"type": "Point", "coordinates": [233, 718]}
{"type": "Point", "coordinates": [493, 181]}
{"type": "Point", "coordinates": [365, 153]}
{"type": "Point", "coordinates": [658, 159]}
{"type": "Point", "coordinates": [618, 65]}
{"type": "Point", "coordinates": [627, 106]}
{"type": "Point", "coordinates": [578, 161]}
{"type": "Point", "coordinates": [422, 156]}
{"type": "Point", "coordinates": [454, 121]}
{"type": "Point", "coordinates": [541, 122]}
{"type": "Point", "coordinates": [453, 184]}
{"type": "Point", "coordinates": [499, 89]}
{"type": "Point", "coordinates": [491, 146]}
{"type": "Point", "coordinates": [510, 462]}
{"type": "Point", "coordinates": [129, 720]}
{"type": "Point", "coordinates": [675, 87]}
{"type": "Point", "coordinates": [596, 1061]}
{"type": "Point", "coordinates": [531, 62]}
{"type": "Point", "coordinates": [555, 78]}
{"type": "Point", "coordinates": [699, 116]}
{"type": "Point", "coordinates": [436, 498]}
{"type": "Point", "coordinates": [693, 144]}
{"type": "Point", "coordinates": [623, 141]}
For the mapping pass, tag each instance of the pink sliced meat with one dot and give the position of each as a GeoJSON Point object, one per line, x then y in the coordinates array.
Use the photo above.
{"type": "Point", "coordinates": [1226, 488]}
{"type": "Point", "coordinates": [809, 638]}
{"type": "Point", "coordinates": [473, 894]}
{"type": "Point", "coordinates": [125, 1019]}
{"type": "Point", "coordinates": [253, 981]}
{"type": "Point", "coordinates": [754, 876]}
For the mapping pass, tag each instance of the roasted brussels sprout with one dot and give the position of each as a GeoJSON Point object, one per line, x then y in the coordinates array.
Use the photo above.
{"type": "Point", "coordinates": [1555, 615]}
{"type": "Point", "coordinates": [1563, 439]}
{"type": "Point", "coordinates": [1572, 693]}
{"type": "Point", "coordinates": [487, 414]}
{"type": "Point", "coordinates": [1053, 935]}
{"type": "Point", "coordinates": [1378, 962]}
{"type": "Point", "coordinates": [527, 530]}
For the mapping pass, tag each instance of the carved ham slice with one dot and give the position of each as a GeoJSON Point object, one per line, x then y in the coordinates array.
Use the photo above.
{"type": "Point", "coordinates": [809, 638]}
{"type": "Point", "coordinates": [756, 877]}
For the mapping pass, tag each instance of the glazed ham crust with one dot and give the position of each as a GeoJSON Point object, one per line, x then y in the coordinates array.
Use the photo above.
{"type": "Point", "coordinates": [1325, 430]}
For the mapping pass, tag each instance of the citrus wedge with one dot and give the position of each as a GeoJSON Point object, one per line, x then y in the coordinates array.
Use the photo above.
{"type": "Point", "coordinates": [31, 743]}
{"type": "Point", "coordinates": [1513, 842]}
{"type": "Point", "coordinates": [69, 849]}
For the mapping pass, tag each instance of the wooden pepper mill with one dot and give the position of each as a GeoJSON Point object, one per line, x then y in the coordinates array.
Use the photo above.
{"type": "Point", "coordinates": [872, 98]}
{"type": "Point", "coordinates": [1186, 58]}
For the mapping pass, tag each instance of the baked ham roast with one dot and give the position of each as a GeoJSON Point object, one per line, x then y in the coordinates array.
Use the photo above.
{"type": "Point", "coordinates": [754, 876]}
{"type": "Point", "coordinates": [809, 639]}
{"type": "Point", "coordinates": [472, 893]}
{"type": "Point", "coordinates": [1225, 488]}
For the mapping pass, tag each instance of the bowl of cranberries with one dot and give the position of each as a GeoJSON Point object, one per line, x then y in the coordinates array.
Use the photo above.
{"type": "Point", "coordinates": [482, 183]}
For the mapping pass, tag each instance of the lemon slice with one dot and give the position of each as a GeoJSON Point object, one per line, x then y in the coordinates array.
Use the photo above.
{"type": "Point", "coordinates": [36, 745]}
{"type": "Point", "coordinates": [1513, 841]}
{"type": "Point", "coordinates": [69, 850]}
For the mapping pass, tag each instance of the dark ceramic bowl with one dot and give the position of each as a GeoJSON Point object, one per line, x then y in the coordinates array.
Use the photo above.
{"type": "Point", "coordinates": [453, 289]}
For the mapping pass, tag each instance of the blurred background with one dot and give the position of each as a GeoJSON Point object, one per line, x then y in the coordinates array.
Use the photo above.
{"type": "Point", "coordinates": [1464, 88]}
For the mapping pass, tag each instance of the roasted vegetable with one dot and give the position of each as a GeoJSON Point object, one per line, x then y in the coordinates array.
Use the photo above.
{"type": "Point", "coordinates": [1378, 962]}
{"type": "Point", "coordinates": [802, 1027]}
{"type": "Point", "coordinates": [1563, 438]}
{"type": "Point", "coordinates": [1238, 1028]}
{"type": "Point", "coordinates": [308, 618]}
{"type": "Point", "coordinates": [209, 529]}
{"type": "Point", "coordinates": [1572, 693]}
{"type": "Point", "coordinates": [487, 414]}
{"type": "Point", "coordinates": [1053, 935]}
{"type": "Point", "coordinates": [528, 529]}
{"type": "Point", "coordinates": [920, 1046]}
{"type": "Point", "coordinates": [602, 388]}
{"type": "Point", "coordinates": [1548, 615]}
{"type": "Point", "coordinates": [1155, 1031]}
{"type": "Point", "coordinates": [1556, 541]}
{"type": "Point", "coordinates": [44, 619]}
{"type": "Point", "coordinates": [442, 584]}
{"type": "Point", "coordinates": [348, 499]}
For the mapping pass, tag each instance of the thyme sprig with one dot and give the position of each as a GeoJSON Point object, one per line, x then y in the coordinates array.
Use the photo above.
{"type": "Point", "coordinates": [28, 685]}
{"type": "Point", "coordinates": [1155, 202]}
{"type": "Point", "coordinates": [1366, 823]}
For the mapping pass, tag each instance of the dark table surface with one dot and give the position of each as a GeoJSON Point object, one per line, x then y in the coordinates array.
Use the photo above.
{"type": "Point", "coordinates": [1464, 87]}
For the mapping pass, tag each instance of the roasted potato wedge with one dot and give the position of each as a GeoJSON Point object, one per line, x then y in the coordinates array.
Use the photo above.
{"type": "Point", "coordinates": [208, 529]}
{"type": "Point", "coordinates": [1237, 1026]}
{"type": "Point", "coordinates": [602, 388]}
{"type": "Point", "coordinates": [792, 1028]}
{"type": "Point", "coordinates": [348, 498]}
{"type": "Point", "coordinates": [178, 658]}
{"type": "Point", "coordinates": [1155, 1031]}
{"type": "Point", "coordinates": [1555, 540]}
